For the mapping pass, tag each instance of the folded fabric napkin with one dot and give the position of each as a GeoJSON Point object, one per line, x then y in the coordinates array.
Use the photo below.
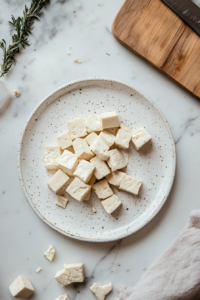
{"type": "Point", "coordinates": [176, 274]}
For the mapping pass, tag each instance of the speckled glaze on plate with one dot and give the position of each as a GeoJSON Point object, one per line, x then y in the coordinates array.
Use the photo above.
{"type": "Point", "coordinates": [154, 164]}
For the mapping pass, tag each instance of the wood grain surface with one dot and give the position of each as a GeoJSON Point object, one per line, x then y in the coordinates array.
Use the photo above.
{"type": "Point", "coordinates": [150, 29]}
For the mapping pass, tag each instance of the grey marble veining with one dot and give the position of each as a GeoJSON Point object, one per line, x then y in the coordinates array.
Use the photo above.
{"type": "Point", "coordinates": [40, 69]}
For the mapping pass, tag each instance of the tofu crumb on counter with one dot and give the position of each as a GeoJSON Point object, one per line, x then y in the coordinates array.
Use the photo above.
{"type": "Point", "coordinates": [50, 253]}
{"type": "Point", "coordinates": [21, 287]}
{"type": "Point", "coordinates": [39, 270]}
{"type": "Point", "coordinates": [71, 273]}
{"type": "Point", "coordinates": [100, 291]}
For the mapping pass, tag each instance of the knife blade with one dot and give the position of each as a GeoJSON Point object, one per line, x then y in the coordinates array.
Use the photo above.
{"type": "Point", "coordinates": [188, 11]}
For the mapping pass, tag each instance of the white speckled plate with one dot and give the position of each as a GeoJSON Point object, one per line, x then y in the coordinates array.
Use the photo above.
{"type": "Point", "coordinates": [154, 164]}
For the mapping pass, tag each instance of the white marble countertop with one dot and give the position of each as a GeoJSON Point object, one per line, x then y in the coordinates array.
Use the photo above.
{"type": "Point", "coordinates": [43, 67]}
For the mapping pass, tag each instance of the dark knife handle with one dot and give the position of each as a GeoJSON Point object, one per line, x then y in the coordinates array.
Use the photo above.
{"type": "Point", "coordinates": [188, 11]}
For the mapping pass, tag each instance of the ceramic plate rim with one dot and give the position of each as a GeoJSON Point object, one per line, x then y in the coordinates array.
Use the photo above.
{"type": "Point", "coordinates": [20, 169]}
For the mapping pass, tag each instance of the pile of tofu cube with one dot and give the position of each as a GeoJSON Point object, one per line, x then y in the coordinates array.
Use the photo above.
{"type": "Point", "coordinates": [89, 151]}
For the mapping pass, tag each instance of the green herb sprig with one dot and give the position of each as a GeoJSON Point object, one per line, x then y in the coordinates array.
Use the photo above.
{"type": "Point", "coordinates": [23, 26]}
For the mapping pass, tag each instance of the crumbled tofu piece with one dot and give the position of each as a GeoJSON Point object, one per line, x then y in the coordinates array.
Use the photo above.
{"type": "Point", "coordinates": [107, 137]}
{"type": "Point", "coordinates": [91, 138]}
{"type": "Point", "coordinates": [123, 138]}
{"type": "Point", "coordinates": [101, 168]}
{"type": "Point", "coordinates": [21, 287]}
{"type": "Point", "coordinates": [84, 170]}
{"type": "Point", "coordinates": [82, 149]}
{"type": "Point", "coordinates": [103, 155]}
{"type": "Point", "coordinates": [109, 120]}
{"type": "Point", "coordinates": [58, 181]}
{"type": "Point", "coordinates": [100, 291]}
{"type": "Point", "coordinates": [65, 140]}
{"type": "Point", "coordinates": [63, 297]}
{"type": "Point", "coordinates": [68, 162]}
{"type": "Point", "coordinates": [87, 197]}
{"type": "Point", "coordinates": [116, 160]}
{"type": "Point", "coordinates": [16, 93]}
{"type": "Point", "coordinates": [94, 209]}
{"type": "Point", "coordinates": [68, 53]}
{"type": "Point", "coordinates": [102, 189]}
{"type": "Point", "coordinates": [51, 157]}
{"type": "Point", "coordinates": [75, 272]}
{"type": "Point", "coordinates": [111, 204]}
{"type": "Point", "coordinates": [61, 201]}
{"type": "Point", "coordinates": [39, 270]}
{"type": "Point", "coordinates": [77, 61]}
{"type": "Point", "coordinates": [77, 128]}
{"type": "Point", "coordinates": [140, 138]}
{"type": "Point", "coordinates": [62, 278]}
{"type": "Point", "coordinates": [130, 184]}
{"type": "Point", "coordinates": [99, 146]}
{"type": "Point", "coordinates": [50, 253]}
{"type": "Point", "coordinates": [78, 189]}
{"type": "Point", "coordinates": [93, 123]}
{"type": "Point", "coordinates": [115, 178]}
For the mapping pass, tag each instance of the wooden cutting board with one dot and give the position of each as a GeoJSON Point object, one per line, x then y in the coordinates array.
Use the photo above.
{"type": "Point", "coordinates": [150, 29]}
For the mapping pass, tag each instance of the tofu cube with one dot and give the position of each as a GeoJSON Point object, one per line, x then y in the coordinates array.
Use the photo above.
{"type": "Point", "coordinates": [104, 155]}
{"type": "Point", "coordinates": [21, 287]}
{"type": "Point", "coordinates": [107, 137]}
{"type": "Point", "coordinates": [140, 138]}
{"type": "Point", "coordinates": [111, 204]}
{"type": "Point", "coordinates": [68, 162]}
{"type": "Point", "coordinates": [62, 278]}
{"type": "Point", "coordinates": [123, 138]}
{"type": "Point", "coordinates": [61, 201]}
{"type": "Point", "coordinates": [63, 297]}
{"type": "Point", "coordinates": [130, 184]}
{"type": "Point", "coordinates": [99, 146]}
{"type": "Point", "coordinates": [82, 149]}
{"type": "Point", "coordinates": [116, 160]}
{"type": "Point", "coordinates": [102, 189]}
{"type": "Point", "coordinates": [101, 168]}
{"type": "Point", "coordinates": [100, 291]}
{"type": "Point", "coordinates": [50, 253]}
{"type": "Point", "coordinates": [58, 181]}
{"type": "Point", "coordinates": [93, 123]}
{"type": "Point", "coordinates": [51, 157]}
{"type": "Point", "coordinates": [78, 189]}
{"type": "Point", "coordinates": [109, 120]}
{"type": "Point", "coordinates": [91, 138]}
{"type": "Point", "coordinates": [77, 128]}
{"type": "Point", "coordinates": [115, 178]}
{"type": "Point", "coordinates": [65, 140]}
{"type": "Point", "coordinates": [84, 170]}
{"type": "Point", "coordinates": [75, 272]}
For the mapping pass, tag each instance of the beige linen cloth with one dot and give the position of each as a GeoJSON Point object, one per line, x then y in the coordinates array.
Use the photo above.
{"type": "Point", "coordinates": [176, 274]}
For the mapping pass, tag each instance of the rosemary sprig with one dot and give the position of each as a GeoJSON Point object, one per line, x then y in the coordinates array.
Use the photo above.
{"type": "Point", "coordinates": [23, 26]}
